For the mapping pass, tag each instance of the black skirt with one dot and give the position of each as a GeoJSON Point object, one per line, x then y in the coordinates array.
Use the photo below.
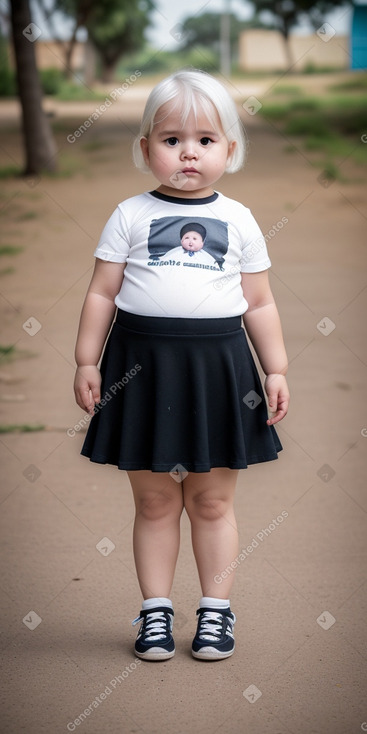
{"type": "Point", "coordinates": [179, 395]}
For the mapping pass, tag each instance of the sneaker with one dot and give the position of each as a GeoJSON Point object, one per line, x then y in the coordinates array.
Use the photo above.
{"type": "Point", "coordinates": [154, 640]}
{"type": "Point", "coordinates": [214, 635]}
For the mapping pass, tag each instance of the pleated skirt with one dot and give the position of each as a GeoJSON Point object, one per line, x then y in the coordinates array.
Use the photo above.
{"type": "Point", "coordinates": [179, 395]}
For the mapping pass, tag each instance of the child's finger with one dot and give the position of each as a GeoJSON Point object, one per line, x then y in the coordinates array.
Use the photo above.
{"type": "Point", "coordinates": [96, 393]}
{"type": "Point", "coordinates": [280, 408]}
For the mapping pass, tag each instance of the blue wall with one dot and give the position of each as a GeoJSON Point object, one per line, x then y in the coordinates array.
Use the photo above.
{"type": "Point", "coordinates": [359, 38]}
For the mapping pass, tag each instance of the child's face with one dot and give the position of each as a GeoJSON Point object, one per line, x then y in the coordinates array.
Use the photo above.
{"type": "Point", "coordinates": [192, 241]}
{"type": "Point", "coordinates": [190, 160]}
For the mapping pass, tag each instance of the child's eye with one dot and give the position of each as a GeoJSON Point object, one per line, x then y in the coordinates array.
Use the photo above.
{"type": "Point", "coordinates": [205, 141]}
{"type": "Point", "coordinates": [171, 141]}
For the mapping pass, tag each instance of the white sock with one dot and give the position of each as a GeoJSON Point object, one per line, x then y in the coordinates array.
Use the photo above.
{"type": "Point", "coordinates": [156, 601]}
{"type": "Point", "coordinates": [211, 601]}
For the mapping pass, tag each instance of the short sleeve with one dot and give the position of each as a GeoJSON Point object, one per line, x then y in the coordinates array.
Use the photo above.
{"type": "Point", "coordinates": [113, 244]}
{"type": "Point", "coordinates": [254, 257]}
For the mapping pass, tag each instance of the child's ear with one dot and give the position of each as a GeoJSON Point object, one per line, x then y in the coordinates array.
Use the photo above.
{"type": "Point", "coordinates": [231, 149]}
{"type": "Point", "coordinates": [145, 149]}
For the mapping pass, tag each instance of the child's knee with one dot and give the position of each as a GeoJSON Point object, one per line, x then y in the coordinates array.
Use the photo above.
{"type": "Point", "coordinates": [204, 507]}
{"type": "Point", "coordinates": [155, 506]}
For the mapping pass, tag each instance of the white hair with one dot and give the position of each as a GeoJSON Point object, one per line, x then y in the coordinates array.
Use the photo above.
{"type": "Point", "coordinates": [190, 90]}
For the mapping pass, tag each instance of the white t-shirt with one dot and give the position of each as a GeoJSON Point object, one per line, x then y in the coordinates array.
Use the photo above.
{"type": "Point", "coordinates": [162, 278]}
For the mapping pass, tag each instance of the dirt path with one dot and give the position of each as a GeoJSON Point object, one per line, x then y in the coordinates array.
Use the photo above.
{"type": "Point", "coordinates": [305, 571]}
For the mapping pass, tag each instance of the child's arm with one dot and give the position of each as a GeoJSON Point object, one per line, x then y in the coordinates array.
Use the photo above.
{"type": "Point", "coordinates": [95, 321]}
{"type": "Point", "coordinates": [263, 326]}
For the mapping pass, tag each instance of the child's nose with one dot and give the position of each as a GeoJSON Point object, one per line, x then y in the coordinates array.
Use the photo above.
{"type": "Point", "coordinates": [189, 151]}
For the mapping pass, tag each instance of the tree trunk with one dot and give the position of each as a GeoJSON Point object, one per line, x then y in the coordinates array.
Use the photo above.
{"type": "Point", "coordinates": [288, 52]}
{"type": "Point", "coordinates": [108, 71]}
{"type": "Point", "coordinates": [40, 147]}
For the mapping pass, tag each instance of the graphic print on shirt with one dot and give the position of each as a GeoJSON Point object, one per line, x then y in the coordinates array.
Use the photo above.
{"type": "Point", "coordinates": [200, 242]}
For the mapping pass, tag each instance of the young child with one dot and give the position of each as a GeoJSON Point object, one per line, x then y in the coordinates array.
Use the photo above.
{"type": "Point", "coordinates": [180, 405]}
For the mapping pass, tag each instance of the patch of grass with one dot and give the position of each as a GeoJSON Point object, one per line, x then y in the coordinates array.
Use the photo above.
{"type": "Point", "coordinates": [10, 250]}
{"type": "Point", "coordinates": [330, 171]}
{"type": "Point", "coordinates": [355, 84]}
{"type": "Point", "coordinates": [27, 215]}
{"type": "Point", "coordinates": [9, 352]}
{"type": "Point", "coordinates": [70, 92]}
{"type": "Point", "coordinates": [10, 172]}
{"type": "Point", "coordinates": [95, 145]}
{"type": "Point", "coordinates": [287, 89]}
{"type": "Point", "coordinates": [21, 427]}
{"type": "Point", "coordinates": [332, 125]}
{"type": "Point", "coordinates": [7, 271]}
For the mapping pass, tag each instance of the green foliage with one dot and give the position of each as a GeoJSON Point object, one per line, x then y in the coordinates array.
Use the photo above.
{"type": "Point", "coordinates": [10, 251]}
{"type": "Point", "coordinates": [51, 80]}
{"type": "Point", "coordinates": [7, 352]}
{"type": "Point", "coordinates": [116, 28]}
{"type": "Point", "coordinates": [21, 428]}
{"type": "Point", "coordinates": [346, 115]}
{"type": "Point", "coordinates": [150, 62]}
{"type": "Point", "coordinates": [287, 13]}
{"type": "Point", "coordinates": [10, 172]}
{"type": "Point", "coordinates": [70, 91]}
{"type": "Point", "coordinates": [8, 86]}
{"type": "Point", "coordinates": [332, 125]}
{"type": "Point", "coordinates": [289, 90]}
{"type": "Point", "coordinates": [356, 83]}
{"type": "Point", "coordinates": [204, 30]}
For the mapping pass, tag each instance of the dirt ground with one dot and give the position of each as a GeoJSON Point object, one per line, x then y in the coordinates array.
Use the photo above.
{"type": "Point", "coordinates": [300, 594]}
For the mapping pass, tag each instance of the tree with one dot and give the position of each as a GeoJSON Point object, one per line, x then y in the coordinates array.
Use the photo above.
{"type": "Point", "coordinates": [40, 147]}
{"type": "Point", "coordinates": [79, 11]}
{"type": "Point", "coordinates": [287, 13]}
{"type": "Point", "coordinates": [116, 28]}
{"type": "Point", "coordinates": [204, 30]}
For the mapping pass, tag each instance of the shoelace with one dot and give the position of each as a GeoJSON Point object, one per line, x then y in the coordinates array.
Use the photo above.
{"type": "Point", "coordinates": [155, 625]}
{"type": "Point", "coordinates": [211, 626]}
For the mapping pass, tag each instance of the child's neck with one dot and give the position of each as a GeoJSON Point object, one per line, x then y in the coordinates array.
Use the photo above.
{"type": "Point", "coordinates": [179, 194]}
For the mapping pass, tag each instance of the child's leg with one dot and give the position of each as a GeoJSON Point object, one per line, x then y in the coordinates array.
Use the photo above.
{"type": "Point", "coordinates": [208, 499]}
{"type": "Point", "coordinates": [156, 538]}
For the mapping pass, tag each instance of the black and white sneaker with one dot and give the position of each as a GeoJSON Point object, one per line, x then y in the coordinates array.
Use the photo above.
{"type": "Point", "coordinates": [154, 640]}
{"type": "Point", "coordinates": [214, 635]}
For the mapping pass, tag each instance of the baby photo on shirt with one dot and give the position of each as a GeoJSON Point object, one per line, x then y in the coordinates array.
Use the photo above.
{"type": "Point", "coordinates": [189, 241]}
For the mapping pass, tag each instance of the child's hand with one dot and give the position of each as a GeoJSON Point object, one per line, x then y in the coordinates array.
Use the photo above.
{"type": "Point", "coordinates": [278, 396]}
{"type": "Point", "coordinates": [87, 387]}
